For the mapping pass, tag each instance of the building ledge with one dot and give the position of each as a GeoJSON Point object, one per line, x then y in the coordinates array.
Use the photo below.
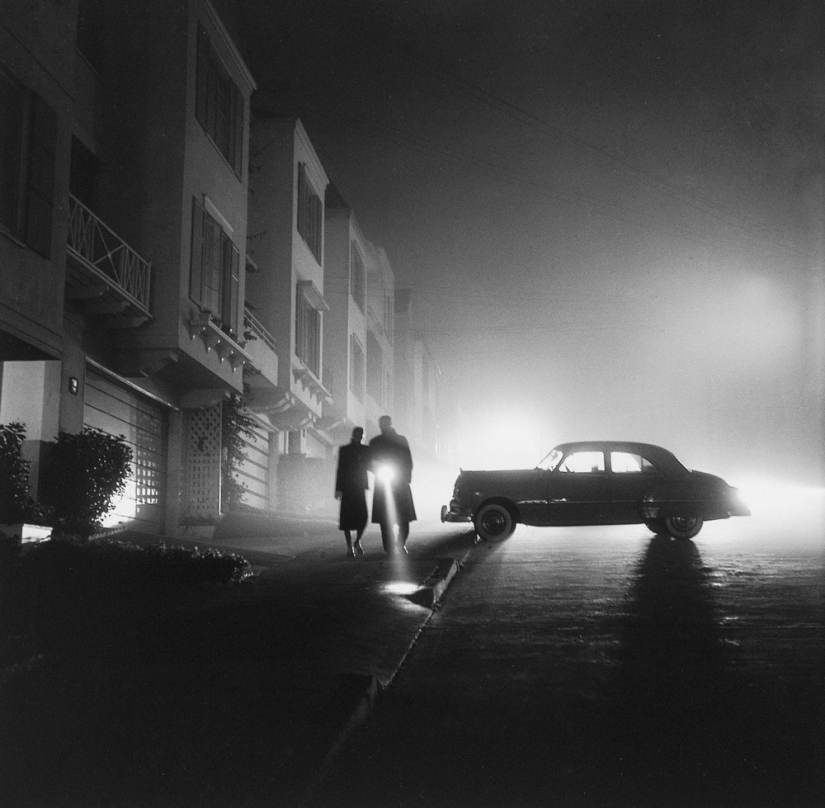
{"type": "Point", "coordinates": [308, 380]}
{"type": "Point", "coordinates": [202, 325]}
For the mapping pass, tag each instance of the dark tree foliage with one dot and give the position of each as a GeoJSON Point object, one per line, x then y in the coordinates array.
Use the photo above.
{"type": "Point", "coordinates": [236, 423]}
{"type": "Point", "coordinates": [83, 474]}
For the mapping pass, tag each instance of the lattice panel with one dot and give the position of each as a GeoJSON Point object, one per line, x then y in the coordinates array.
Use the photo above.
{"type": "Point", "coordinates": [204, 468]}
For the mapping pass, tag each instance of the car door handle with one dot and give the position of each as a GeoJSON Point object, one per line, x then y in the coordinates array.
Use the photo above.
{"type": "Point", "coordinates": [563, 499]}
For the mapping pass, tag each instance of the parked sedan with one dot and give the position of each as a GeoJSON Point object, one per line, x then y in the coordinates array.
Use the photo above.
{"type": "Point", "coordinates": [594, 483]}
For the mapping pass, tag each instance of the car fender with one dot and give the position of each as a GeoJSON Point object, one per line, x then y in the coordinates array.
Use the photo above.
{"type": "Point", "coordinates": [699, 495]}
{"type": "Point", "coordinates": [499, 500]}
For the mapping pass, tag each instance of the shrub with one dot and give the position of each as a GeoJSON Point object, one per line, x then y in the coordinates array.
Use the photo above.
{"type": "Point", "coordinates": [82, 476]}
{"type": "Point", "coordinates": [14, 473]}
{"type": "Point", "coordinates": [15, 503]}
{"type": "Point", "coordinates": [111, 571]}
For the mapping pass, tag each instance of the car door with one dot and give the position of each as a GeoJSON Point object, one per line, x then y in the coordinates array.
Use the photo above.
{"type": "Point", "coordinates": [578, 491]}
{"type": "Point", "coordinates": [630, 475]}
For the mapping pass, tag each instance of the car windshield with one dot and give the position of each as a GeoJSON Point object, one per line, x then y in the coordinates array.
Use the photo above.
{"type": "Point", "coordinates": [551, 460]}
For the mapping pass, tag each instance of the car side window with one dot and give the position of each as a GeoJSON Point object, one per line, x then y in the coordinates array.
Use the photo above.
{"type": "Point", "coordinates": [630, 463]}
{"type": "Point", "coordinates": [583, 462]}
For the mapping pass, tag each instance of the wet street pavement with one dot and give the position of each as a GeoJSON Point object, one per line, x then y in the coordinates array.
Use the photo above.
{"type": "Point", "coordinates": [608, 667]}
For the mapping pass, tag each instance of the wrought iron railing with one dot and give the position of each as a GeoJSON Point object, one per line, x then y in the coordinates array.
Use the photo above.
{"type": "Point", "coordinates": [108, 255]}
{"type": "Point", "coordinates": [253, 324]}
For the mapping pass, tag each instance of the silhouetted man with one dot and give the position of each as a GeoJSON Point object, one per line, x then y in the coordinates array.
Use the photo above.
{"type": "Point", "coordinates": [392, 504]}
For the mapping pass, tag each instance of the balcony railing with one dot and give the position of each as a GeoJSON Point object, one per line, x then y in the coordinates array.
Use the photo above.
{"type": "Point", "coordinates": [253, 324]}
{"type": "Point", "coordinates": [107, 255]}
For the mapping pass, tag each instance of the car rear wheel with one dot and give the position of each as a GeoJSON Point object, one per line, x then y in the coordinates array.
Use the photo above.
{"type": "Point", "coordinates": [494, 522]}
{"type": "Point", "coordinates": [683, 527]}
{"type": "Point", "coordinates": [656, 526]}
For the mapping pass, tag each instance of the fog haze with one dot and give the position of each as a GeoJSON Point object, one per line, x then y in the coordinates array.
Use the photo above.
{"type": "Point", "coordinates": [610, 213]}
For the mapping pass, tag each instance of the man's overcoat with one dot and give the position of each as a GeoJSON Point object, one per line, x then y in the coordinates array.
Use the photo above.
{"type": "Point", "coordinates": [393, 503]}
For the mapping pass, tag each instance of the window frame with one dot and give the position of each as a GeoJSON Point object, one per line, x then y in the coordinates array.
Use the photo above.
{"type": "Point", "coordinates": [564, 469]}
{"type": "Point", "coordinates": [308, 323]}
{"type": "Point", "coordinates": [358, 276]}
{"type": "Point", "coordinates": [310, 214]}
{"type": "Point", "coordinates": [646, 466]}
{"type": "Point", "coordinates": [28, 166]}
{"type": "Point", "coordinates": [214, 277]}
{"type": "Point", "coordinates": [357, 368]}
{"type": "Point", "coordinates": [219, 103]}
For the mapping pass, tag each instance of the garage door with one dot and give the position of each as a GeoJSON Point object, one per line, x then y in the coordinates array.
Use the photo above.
{"type": "Point", "coordinates": [119, 410]}
{"type": "Point", "coordinates": [253, 473]}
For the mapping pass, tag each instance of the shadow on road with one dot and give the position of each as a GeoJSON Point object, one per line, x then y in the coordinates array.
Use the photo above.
{"type": "Point", "coordinates": [677, 725]}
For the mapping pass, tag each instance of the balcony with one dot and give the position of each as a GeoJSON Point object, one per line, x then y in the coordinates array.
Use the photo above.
{"type": "Point", "coordinates": [263, 352]}
{"type": "Point", "coordinates": [215, 339]}
{"type": "Point", "coordinates": [105, 277]}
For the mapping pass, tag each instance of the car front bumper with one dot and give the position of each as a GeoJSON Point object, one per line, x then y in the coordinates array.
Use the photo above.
{"type": "Point", "coordinates": [455, 513]}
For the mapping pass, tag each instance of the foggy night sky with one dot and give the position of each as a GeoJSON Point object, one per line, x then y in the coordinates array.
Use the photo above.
{"type": "Point", "coordinates": [610, 213]}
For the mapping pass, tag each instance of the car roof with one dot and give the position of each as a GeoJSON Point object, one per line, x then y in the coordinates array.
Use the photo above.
{"type": "Point", "coordinates": [660, 457]}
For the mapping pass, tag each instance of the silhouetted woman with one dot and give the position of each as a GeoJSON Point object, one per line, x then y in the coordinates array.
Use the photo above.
{"type": "Point", "coordinates": [351, 484]}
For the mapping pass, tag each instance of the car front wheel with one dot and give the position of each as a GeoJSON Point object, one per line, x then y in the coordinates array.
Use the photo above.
{"type": "Point", "coordinates": [683, 527]}
{"type": "Point", "coordinates": [494, 522]}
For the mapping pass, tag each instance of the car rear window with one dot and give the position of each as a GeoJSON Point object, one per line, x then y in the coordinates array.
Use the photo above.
{"type": "Point", "coordinates": [630, 463]}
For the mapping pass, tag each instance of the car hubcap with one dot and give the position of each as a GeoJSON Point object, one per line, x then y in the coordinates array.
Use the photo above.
{"type": "Point", "coordinates": [493, 523]}
{"type": "Point", "coordinates": [684, 523]}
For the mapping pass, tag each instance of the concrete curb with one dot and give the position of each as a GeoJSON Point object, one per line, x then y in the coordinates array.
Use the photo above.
{"type": "Point", "coordinates": [428, 594]}
{"type": "Point", "coordinates": [431, 589]}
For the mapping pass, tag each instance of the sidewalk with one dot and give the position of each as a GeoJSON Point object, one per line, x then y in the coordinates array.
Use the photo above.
{"type": "Point", "coordinates": [242, 696]}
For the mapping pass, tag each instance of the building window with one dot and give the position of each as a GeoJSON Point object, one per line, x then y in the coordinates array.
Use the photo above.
{"type": "Point", "coordinates": [28, 135]}
{"type": "Point", "coordinates": [310, 213]}
{"type": "Point", "coordinates": [219, 105]}
{"type": "Point", "coordinates": [356, 367]}
{"type": "Point", "coordinates": [357, 284]}
{"type": "Point", "coordinates": [388, 306]}
{"type": "Point", "coordinates": [387, 390]}
{"type": "Point", "coordinates": [375, 368]}
{"type": "Point", "coordinates": [308, 333]}
{"type": "Point", "coordinates": [215, 271]}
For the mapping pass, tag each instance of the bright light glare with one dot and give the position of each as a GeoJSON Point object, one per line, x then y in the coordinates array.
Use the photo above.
{"type": "Point", "coordinates": [775, 500]}
{"type": "Point", "coordinates": [385, 474]}
{"type": "Point", "coordinates": [400, 587]}
{"type": "Point", "coordinates": [502, 440]}
{"type": "Point", "coordinates": [123, 508]}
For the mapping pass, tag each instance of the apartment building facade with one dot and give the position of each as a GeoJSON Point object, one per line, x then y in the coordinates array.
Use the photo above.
{"type": "Point", "coordinates": [347, 252]}
{"type": "Point", "coordinates": [380, 337]}
{"type": "Point", "coordinates": [417, 382]}
{"type": "Point", "coordinates": [286, 295]}
{"type": "Point", "coordinates": [36, 98]}
{"type": "Point", "coordinates": [144, 307]}
{"type": "Point", "coordinates": [165, 254]}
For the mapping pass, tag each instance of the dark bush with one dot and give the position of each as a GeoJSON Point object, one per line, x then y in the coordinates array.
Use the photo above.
{"type": "Point", "coordinates": [110, 570]}
{"type": "Point", "coordinates": [83, 474]}
{"type": "Point", "coordinates": [15, 503]}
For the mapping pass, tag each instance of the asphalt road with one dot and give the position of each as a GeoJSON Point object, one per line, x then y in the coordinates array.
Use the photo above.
{"type": "Point", "coordinates": [607, 667]}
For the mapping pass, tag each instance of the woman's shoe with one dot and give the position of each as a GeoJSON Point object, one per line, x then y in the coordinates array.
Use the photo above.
{"type": "Point", "coordinates": [358, 548]}
{"type": "Point", "coordinates": [350, 553]}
